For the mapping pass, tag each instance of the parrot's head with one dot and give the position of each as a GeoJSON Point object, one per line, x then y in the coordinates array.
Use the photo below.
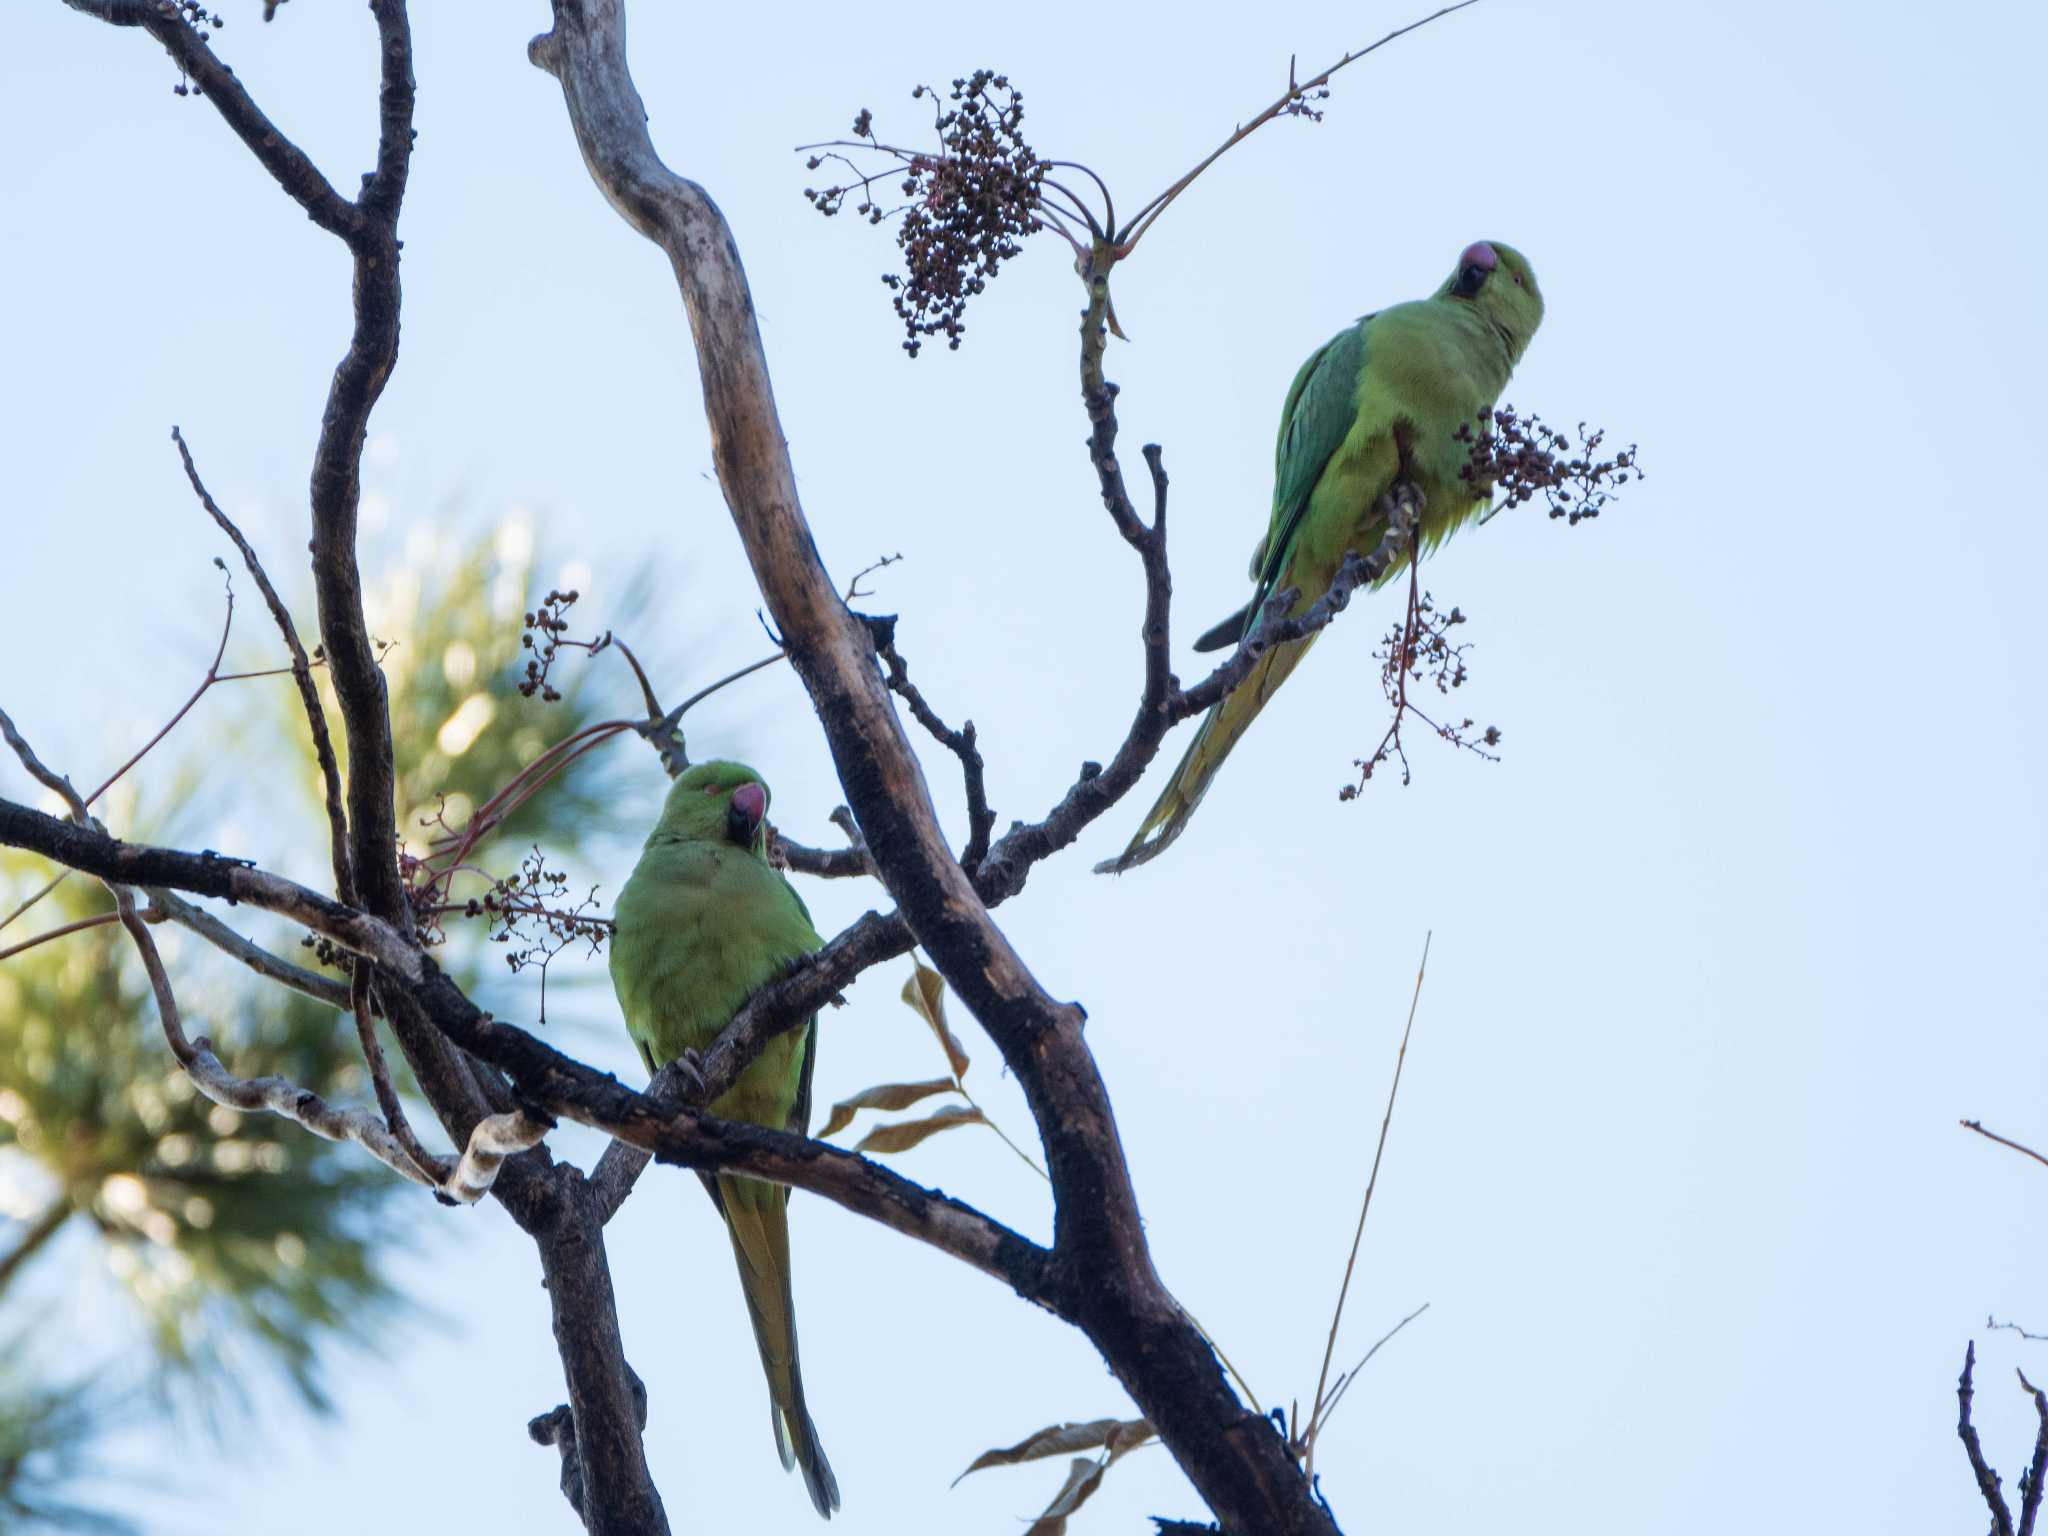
{"type": "Point", "coordinates": [1496, 279]}
{"type": "Point", "coordinates": [716, 802]}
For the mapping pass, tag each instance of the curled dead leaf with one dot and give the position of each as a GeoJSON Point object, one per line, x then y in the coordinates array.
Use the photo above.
{"type": "Point", "coordinates": [902, 1135]}
{"type": "Point", "coordinates": [1084, 1476]}
{"type": "Point", "coordinates": [925, 992]}
{"type": "Point", "coordinates": [883, 1096]}
{"type": "Point", "coordinates": [1113, 1435]}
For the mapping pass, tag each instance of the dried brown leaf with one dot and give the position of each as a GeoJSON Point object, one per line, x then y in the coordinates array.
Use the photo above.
{"type": "Point", "coordinates": [925, 992]}
{"type": "Point", "coordinates": [902, 1135]}
{"type": "Point", "coordinates": [883, 1096]}
{"type": "Point", "coordinates": [1114, 1435]}
{"type": "Point", "coordinates": [1129, 1435]}
{"type": "Point", "coordinates": [1084, 1476]}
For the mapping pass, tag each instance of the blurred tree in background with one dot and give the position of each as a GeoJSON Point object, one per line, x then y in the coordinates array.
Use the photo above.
{"type": "Point", "coordinates": [239, 1245]}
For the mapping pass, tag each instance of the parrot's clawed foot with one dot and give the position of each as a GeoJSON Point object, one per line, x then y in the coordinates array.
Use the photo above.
{"type": "Point", "coordinates": [691, 1066]}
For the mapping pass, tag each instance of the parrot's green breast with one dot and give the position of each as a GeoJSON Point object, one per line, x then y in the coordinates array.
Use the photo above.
{"type": "Point", "coordinates": [1429, 369]}
{"type": "Point", "coordinates": [700, 928]}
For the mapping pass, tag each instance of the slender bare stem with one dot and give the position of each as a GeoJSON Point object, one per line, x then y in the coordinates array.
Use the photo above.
{"type": "Point", "coordinates": [45, 937]}
{"type": "Point", "coordinates": [1319, 1409]}
{"type": "Point", "coordinates": [1148, 215]}
{"type": "Point", "coordinates": [1978, 1127]}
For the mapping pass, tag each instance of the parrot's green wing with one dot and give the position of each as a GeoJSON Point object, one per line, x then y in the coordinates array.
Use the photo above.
{"type": "Point", "coordinates": [1321, 408]}
{"type": "Point", "coordinates": [1394, 397]}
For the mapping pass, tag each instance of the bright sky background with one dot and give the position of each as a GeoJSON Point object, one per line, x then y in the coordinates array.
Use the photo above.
{"type": "Point", "coordinates": [1749, 916]}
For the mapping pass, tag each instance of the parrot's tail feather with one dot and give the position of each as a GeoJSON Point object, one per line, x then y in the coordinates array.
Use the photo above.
{"type": "Point", "coordinates": [1226, 632]}
{"type": "Point", "coordinates": [757, 1215]}
{"type": "Point", "coordinates": [822, 1486]}
{"type": "Point", "coordinates": [1220, 731]}
{"type": "Point", "coordinates": [779, 1422]}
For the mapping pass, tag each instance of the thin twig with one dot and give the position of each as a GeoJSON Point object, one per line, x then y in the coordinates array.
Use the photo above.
{"type": "Point", "coordinates": [1345, 1378]}
{"type": "Point", "coordinates": [1978, 1127]}
{"type": "Point", "coordinates": [1319, 1410]}
{"type": "Point", "coordinates": [47, 935]}
{"type": "Point", "coordinates": [206, 682]}
{"type": "Point", "coordinates": [312, 984]}
{"type": "Point", "coordinates": [1296, 92]}
{"type": "Point", "coordinates": [2030, 1480]}
{"type": "Point", "coordinates": [302, 674]}
{"type": "Point", "coordinates": [726, 681]}
{"type": "Point", "coordinates": [980, 819]}
{"type": "Point", "coordinates": [380, 1076]}
{"type": "Point", "coordinates": [960, 1087]}
{"type": "Point", "coordinates": [35, 896]}
{"type": "Point", "coordinates": [42, 773]}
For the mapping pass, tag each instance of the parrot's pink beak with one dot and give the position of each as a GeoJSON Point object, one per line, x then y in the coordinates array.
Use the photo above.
{"type": "Point", "coordinates": [1481, 255]}
{"type": "Point", "coordinates": [749, 807]}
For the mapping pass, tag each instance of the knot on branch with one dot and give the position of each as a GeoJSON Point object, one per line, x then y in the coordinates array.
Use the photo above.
{"type": "Point", "coordinates": [557, 1427]}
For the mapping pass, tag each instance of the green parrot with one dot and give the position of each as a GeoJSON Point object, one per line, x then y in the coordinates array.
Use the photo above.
{"type": "Point", "coordinates": [1381, 401]}
{"type": "Point", "coordinates": [704, 921]}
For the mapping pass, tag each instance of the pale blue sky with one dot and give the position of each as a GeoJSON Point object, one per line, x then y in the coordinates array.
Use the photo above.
{"type": "Point", "coordinates": [1748, 917]}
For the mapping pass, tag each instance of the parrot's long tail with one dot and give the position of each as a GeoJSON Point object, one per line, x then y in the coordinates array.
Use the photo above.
{"type": "Point", "coordinates": [757, 1213]}
{"type": "Point", "coordinates": [1219, 733]}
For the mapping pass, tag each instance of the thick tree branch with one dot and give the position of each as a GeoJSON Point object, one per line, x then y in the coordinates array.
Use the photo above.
{"type": "Point", "coordinates": [1102, 1274]}
{"type": "Point", "coordinates": [490, 1141]}
{"type": "Point", "coordinates": [547, 1079]}
{"type": "Point", "coordinates": [622, 1498]}
{"type": "Point", "coordinates": [598, 1431]}
{"type": "Point", "coordinates": [93, 852]}
{"type": "Point", "coordinates": [336, 492]}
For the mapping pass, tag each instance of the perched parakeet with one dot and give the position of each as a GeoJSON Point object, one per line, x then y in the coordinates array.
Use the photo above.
{"type": "Point", "coordinates": [702, 923]}
{"type": "Point", "coordinates": [1381, 401]}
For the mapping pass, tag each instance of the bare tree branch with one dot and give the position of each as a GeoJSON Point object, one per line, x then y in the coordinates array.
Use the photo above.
{"type": "Point", "coordinates": [477, 1109]}
{"type": "Point", "coordinates": [260, 960]}
{"type": "Point", "coordinates": [980, 819]}
{"type": "Point", "coordinates": [785, 852]}
{"type": "Point", "coordinates": [287, 164]}
{"type": "Point", "coordinates": [1987, 1479]}
{"type": "Point", "coordinates": [393, 1145]}
{"type": "Point", "coordinates": [547, 1079]}
{"type": "Point", "coordinates": [2003, 1141]}
{"type": "Point", "coordinates": [1322, 1405]}
{"type": "Point", "coordinates": [387, 1096]}
{"type": "Point", "coordinates": [302, 675]}
{"type": "Point", "coordinates": [1102, 1274]}
{"type": "Point", "coordinates": [1293, 99]}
